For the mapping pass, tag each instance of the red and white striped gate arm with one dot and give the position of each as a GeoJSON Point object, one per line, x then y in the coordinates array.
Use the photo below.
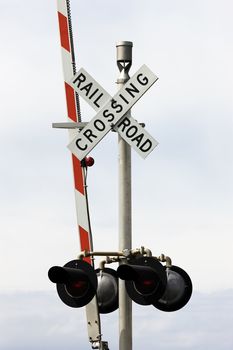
{"type": "Point", "coordinates": [73, 112]}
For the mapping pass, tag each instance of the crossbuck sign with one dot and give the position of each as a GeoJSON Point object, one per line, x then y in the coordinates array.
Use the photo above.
{"type": "Point", "coordinates": [111, 112]}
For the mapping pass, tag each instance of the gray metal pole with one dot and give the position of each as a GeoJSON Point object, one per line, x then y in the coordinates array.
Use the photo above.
{"type": "Point", "coordinates": [124, 61]}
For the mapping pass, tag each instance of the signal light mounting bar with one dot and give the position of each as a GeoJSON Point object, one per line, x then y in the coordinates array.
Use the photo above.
{"type": "Point", "coordinates": [126, 253]}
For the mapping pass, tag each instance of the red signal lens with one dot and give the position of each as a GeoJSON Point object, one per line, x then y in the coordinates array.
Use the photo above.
{"type": "Point", "coordinates": [148, 282]}
{"type": "Point", "coordinates": [77, 289]}
{"type": "Point", "coordinates": [146, 287]}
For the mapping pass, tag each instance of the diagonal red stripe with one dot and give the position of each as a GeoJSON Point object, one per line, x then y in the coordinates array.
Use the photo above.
{"type": "Point", "coordinates": [78, 175]}
{"type": "Point", "coordinates": [64, 32]}
{"type": "Point", "coordinates": [70, 102]}
{"type": "Point", "coordinates": [84, 242]}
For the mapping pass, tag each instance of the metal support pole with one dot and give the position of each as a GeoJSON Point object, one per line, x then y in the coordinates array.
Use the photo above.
{"type": "Point", "coordinates": [124, 61]}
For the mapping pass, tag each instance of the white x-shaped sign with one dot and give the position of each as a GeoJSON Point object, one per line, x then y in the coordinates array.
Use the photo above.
{"type": "Point", "coordinates": [111, 112]}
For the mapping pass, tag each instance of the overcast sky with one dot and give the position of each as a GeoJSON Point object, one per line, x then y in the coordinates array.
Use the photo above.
{"type": "Point", "coordinates": [182, 193]}
{"type": "Point", "coordinates": [38, 320]}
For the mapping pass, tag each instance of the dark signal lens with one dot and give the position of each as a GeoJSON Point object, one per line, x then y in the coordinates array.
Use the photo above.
{"type": "Point", "coordinates": [77, 289]}
{"type": "Point", "coordinates": [146, 286]}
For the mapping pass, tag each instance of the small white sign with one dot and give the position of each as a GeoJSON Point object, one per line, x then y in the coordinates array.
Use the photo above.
{"type": "Point", "coordinates": [112, 112]}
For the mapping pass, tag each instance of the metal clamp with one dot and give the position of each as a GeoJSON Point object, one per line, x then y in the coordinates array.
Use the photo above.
{"type": "Point", "coordinates": [102, 345]}
{"type": "Point", "coordinates": [166, 259]}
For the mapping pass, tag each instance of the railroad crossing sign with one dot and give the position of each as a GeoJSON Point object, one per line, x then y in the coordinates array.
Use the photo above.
{"type": "Point", "coordinates": [111, 112]}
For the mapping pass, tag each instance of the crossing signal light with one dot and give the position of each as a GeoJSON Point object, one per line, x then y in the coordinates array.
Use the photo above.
{"type": "Point", "coordinates": [107, 290]}
{"type": "Point", "coordinates": [178, 290]}
{"type": "Point", "coordinates": [147, 282]}
{"type": "Point", "coordinates": [76, 282]}
{"type": "Point", "coordinates": [145, 279]}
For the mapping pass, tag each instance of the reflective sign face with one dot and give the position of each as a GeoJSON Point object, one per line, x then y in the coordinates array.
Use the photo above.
{"type": "Point", "coordinates": [136, 136]}
{"type": "Point", "coordinates": [112, 113]}
{"type": "Point", "coordinates": [89, 89]}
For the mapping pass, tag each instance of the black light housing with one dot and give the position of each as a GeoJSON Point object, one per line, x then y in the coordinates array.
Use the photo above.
{"type": "Point", "coordinates": [145, 279]}
{"type": "Point", "coordinates": [107, 290]}
{"type": "Point", "coordinates": [76, 282]}
{"type": "Point", "coordinates": [178, 290]}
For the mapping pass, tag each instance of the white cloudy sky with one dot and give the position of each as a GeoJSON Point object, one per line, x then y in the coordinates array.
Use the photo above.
{"type": "Point", "coordinates": [182, 193]}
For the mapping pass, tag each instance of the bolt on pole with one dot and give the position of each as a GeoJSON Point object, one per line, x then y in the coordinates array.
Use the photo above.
{"type": "Point", "coordinates": [124, 62]}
